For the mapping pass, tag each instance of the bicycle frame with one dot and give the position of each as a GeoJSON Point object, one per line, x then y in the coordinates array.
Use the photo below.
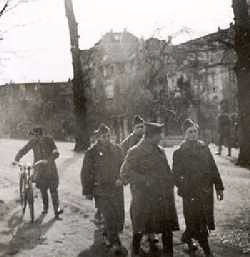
{"type": "Point", "coordinates": [26, 188]}
{"type": "Point", "coordinates": [26, 172]}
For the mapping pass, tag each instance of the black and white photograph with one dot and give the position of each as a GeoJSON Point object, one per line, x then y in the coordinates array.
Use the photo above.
{"type": "Point", "coordinates": [125, 128]}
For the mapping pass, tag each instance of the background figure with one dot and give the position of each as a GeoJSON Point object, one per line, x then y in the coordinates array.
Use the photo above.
{"type": "Point", "coordinates": [99, 174]}
{"type": "Point", "coordinates": [235, 130]}
{"type": "Point", "coordinates": [196, 174]}
{"type": "Point", "coordinates": [153, 206]}
{"type": "Point", "coordinates": [98, 215]}
{"type": "Point", "coordinates": [44, 148]}
{"type": "Point", "coordinates": [134, 137]}
{"type": "Point", "coordinates": [224, 130]}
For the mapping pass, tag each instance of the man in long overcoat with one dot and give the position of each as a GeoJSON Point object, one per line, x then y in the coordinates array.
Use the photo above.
{"type": "Point", "coordinates": [196, 174]}
{"type": "Point", "coordinates": [44, 149]}
{"type": "Point", "coordinates": [153, 206]}
{"type": "Point", "coordinates": [99, 174]}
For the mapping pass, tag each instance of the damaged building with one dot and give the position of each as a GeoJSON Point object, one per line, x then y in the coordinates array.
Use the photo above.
{"type": "Point", "coordinates": [126, 70]}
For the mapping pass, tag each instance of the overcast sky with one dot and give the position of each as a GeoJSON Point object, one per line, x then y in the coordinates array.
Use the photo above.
{"type": "Point", "coordinates": [36, 44]}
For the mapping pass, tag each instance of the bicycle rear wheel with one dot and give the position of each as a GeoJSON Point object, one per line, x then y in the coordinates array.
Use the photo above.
{"type": "Point", "coordinates": [31, 203]}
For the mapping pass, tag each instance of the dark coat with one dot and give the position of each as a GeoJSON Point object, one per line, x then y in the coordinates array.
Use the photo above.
{"type": "Point", "coordinates": [153, 206]}
{"type": "Point", "coordinates": [43, 149]}
{"type": "Point", "coordinates": [100, 170]}
{"type": "Point", "coordinates": [131, 140]}
{"type": "Point", "coordinates": [196, 174]}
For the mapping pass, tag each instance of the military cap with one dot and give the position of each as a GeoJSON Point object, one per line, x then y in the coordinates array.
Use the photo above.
{"type": "Point", "coordinates": [152, 128]}
{"type": "Point", "coordinates": [103, 129]}
{"type": "Point", "coordinates": [189, 123]}
{"type": "Point", "coordinates": [38, 130]}
{"type": "Point", "coordinates": [137, 120]}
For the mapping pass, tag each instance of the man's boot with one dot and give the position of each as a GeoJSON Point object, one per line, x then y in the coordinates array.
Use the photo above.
{"type": "Point", "coordinates": [167, 242]}
{"type": "Point", "coordinates": [153, 242]}
{"type": "Point", "coordinates": [205, 246]}
{"type": "Point", "coordinates": [192, 247]}
{"type": "Point", "coordinates": [136, 243]}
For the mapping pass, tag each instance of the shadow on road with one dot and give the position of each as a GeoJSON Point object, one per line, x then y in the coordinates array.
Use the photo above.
{"type": "Point", "coordinates": [24, 235]}
{"type": "Point", "coordinates": [98, 249]}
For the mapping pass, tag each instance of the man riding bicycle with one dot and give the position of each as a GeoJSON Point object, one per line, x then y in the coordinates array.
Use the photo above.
{"type": "Point", "coordinates": [46, 178]}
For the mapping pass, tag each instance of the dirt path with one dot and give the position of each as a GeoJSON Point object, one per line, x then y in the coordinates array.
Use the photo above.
{"type": "Point", "coordinates": [76, 235]}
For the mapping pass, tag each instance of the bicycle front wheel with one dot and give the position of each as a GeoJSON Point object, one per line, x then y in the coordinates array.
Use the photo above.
{"type": "Point", "coordinates": [23, 194]}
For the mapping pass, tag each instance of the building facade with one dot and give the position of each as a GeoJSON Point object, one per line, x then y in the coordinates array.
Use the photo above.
{"type": "Point", "coordinates": [23, 106]}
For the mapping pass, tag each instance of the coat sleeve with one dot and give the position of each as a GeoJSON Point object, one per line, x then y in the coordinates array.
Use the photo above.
{"type": "Point", "coordinates": [129, 169]}
{"type": "Point", "coordinates": [87, 175]}
{"type": "Point", "coordinates": [55, 152]}
{"type": "Point", "coordinates": [120, 155]}
{"type": "Point", "coordinates": [24, 150]}
{"type": "Point", "coordinates": [216, 178]}
{"type": "Point", "coordinates": [125, 146]}
{"type": "Point", "coordinates": [178, 169]}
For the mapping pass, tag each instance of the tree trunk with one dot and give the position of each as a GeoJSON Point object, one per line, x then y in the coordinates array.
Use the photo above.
{"type": "Point", "coordinates": [79, 94]}
{"type": "Point", "coordinates": [242, 69]}
{"type": "Point", "coordinates": [80, 106]}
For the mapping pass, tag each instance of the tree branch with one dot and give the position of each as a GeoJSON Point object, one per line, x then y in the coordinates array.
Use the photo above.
{"type": "Point", "coordinates": [4, 9]}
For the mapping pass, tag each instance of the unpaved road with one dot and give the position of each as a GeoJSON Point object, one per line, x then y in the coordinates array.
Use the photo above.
{"type": "Point", "coordinates": [77, 236]}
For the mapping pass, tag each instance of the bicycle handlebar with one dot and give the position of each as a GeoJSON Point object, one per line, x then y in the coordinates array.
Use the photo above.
{"type": "Point", "coordinates": [22, 165]}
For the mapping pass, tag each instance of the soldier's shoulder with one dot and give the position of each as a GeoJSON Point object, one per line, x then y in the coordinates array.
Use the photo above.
{"type": "Point", "coordinates": [162, 148]}
{"type": "Point", "coordinates": [180, 147]}
{"type": "Point", "coordinates": [91, 149]}
{"type": "Point", "coordinates": [117, 147]}
{"type": "Point", "coordinates": [48, 138]}
{"type": "Point", "coordinates": [135, 149]}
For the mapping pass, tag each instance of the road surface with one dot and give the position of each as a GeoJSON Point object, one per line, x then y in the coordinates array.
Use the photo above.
{"type": "Point", "coordinates": [77, 235]}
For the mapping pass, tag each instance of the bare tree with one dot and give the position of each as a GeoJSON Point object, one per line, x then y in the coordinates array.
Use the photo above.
{"type": "Point", "coordinates": [8, 5]}
{"type": "Point", "coordinates": [80, 83]}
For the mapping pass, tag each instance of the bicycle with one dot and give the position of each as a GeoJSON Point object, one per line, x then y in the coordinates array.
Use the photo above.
{"type": "Point", "coordinates": [26, 189]}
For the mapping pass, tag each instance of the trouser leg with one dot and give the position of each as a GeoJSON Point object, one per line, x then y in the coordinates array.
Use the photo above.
{"type": "Point", "coordinates": [55, 198]}
{"type": "Point", "coordinates": [111, 220]}
{"type": "Point", "coordinates": [167, 242]}
{"type": "Point", "coordinates": [136, 242]}
{"type": "Point", "coordinates": [45, 198]}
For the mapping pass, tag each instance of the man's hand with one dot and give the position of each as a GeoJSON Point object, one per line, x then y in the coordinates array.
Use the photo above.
{"type": "Point", "coordinates": [14, 163]}
{"type": "Point", "coordinates": [220, 195]}
{"type": "Point", "coordinates": [89, 197]}
{"type": "Point", "coordinates": [118, 183]}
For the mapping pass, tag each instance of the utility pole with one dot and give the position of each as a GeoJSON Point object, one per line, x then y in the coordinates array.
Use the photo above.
{"type": "Point", "coordinates": [241, 10]}
{"type": "Point", "coordinates": [79, 99]}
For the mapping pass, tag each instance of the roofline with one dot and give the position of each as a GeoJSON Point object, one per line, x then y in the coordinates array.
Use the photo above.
{"type": "Point", "coordinates": [203, 37]}
{"type": "Point", "coordinates": [35, 83]}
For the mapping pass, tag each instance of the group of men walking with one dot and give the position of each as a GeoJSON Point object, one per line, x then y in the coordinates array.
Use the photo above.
{"type": "Point", "coordinates": [140, 162]}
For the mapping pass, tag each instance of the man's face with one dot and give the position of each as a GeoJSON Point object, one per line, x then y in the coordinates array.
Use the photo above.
{"type": "Point", "coordinates": [192, 133]}
{"type": "Point", "coordinates": [37, 136]}
{"type": "Point", "coordinates": [104, 138]}
{"type": "Point", "coordinates": [139, 129]}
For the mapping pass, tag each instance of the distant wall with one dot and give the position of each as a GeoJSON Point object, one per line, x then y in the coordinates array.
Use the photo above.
{"type": "Point", "coordinates": [48, 104]}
